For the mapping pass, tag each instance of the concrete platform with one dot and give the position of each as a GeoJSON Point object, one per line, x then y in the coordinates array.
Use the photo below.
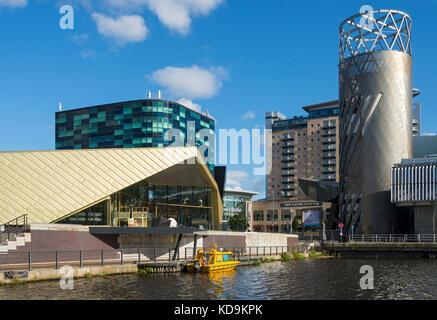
{"type": "Point", "coordinates": [381, 250]}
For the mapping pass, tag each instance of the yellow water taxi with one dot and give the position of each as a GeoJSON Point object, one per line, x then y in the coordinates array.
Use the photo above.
{"type": "Point", "coordinates": [211, 260]}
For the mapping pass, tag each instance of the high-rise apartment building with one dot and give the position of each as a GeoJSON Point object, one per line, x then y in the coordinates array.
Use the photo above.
{"type": "Point", "coordinates": [303, 147]}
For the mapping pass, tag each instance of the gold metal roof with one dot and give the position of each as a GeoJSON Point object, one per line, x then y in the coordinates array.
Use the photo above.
{"type": "Point", "coordinates": [49, 185]}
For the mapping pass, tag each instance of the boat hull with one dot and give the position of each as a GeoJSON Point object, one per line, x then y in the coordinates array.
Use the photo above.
{"type": "Point", "coordinates": [214, 268]}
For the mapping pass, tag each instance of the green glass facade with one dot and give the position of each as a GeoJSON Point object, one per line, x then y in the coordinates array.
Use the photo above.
{"type": "Point", "coordinates": [132, 124]}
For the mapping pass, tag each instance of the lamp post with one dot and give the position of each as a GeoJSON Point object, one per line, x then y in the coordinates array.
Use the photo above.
{"type": "Point", "coordinates": [273, 212]}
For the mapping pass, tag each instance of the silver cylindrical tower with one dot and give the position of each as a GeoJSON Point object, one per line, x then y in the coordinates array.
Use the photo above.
{"type": "Point", "coordinates": [375, 75]}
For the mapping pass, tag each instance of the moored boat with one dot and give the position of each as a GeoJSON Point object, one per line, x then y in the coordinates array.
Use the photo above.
{"type": "Point", "coordinates": [211, 260]}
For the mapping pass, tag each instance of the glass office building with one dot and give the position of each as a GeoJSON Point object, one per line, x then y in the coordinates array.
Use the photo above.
{"type": "Point", "coordinates": [235, 202]}
{"type": "Point", "coordinates": [133, 124]}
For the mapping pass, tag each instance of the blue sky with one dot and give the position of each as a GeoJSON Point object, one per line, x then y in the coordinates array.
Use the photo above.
{"type": "Point", "coordinates": [242, 57]}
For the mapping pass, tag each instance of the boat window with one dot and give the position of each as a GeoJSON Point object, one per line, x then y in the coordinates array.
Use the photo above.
{"type": "Point", "coordinates": [225, 257]}
{"type": "Point", "coordinates": [218, 258]}
{"type": "Point", "coordinates": [206, 258]}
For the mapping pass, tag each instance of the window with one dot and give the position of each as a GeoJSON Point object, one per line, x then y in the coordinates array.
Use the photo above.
{"type": "Point", "coordinates": [258, 215]}
{"type": "Point", "coordinates": [286, 215]}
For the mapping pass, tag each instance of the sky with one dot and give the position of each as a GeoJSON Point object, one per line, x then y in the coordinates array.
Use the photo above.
{"type": "Point", "coordinates": [235, 58]}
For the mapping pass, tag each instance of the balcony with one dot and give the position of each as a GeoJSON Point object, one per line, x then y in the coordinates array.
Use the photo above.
{"type": "Point", "coordinates": [327, 133]}
{"type": "Point", "coordinates": [329, 170]}
{"type": "Point", "coordinates": [288, 151]}
{"type": "Point", "coordinates": [329, 162]}
{"type": "Point", "coordinates": [288, 180]}
{"type": "Point", "coordinates": [288, 159]}
{"type": "Point", "coordinates": [329, 155]}
{"type": "Point", "coordinates": [288, 194]}
{"type": "Point", "coordinates": [329, 177]}
{"type": "Point", "coordinates": [288, 144]}
{"type": "Point", "coordinates": [329, 147]}
{"type": "Point", "coordinates": [329, 124]}
{"type": "Point", "coordinates": [289, 165]}
{"type": "Point", "coordinates": [288, 187]}
{"type": "Point", "coordinates": [329, 140]}
{"type": "Point", "coordinates": [287, 137]}
{"type": "Point", "coordinates": [288, 172]}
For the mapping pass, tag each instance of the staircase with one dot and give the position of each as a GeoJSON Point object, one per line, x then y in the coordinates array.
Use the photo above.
{"type": "Point", "coordinates": [14, 234]}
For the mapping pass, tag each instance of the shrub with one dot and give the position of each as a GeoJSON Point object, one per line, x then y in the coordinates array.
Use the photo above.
{"type": "Point", "coordinates": [313, 254]}
{"type": "Point", "coordinates": [285, 256]}
{"type": "Point", "coordinates": [256, 263]}
{"type": "Point", "coordinates": [142, 272]}
{"type": "Point", "coordinates": [298, 256]}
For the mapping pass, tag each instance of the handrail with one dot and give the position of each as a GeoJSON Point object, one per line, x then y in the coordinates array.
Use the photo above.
{"type": "Point", "coordinates": [57, 258]}
{"type": "Point", "coordinates": [393, 238]}
{"type": "Point", "coordinates": [14, 227]}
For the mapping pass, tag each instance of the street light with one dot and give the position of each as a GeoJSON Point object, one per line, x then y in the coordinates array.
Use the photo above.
{"type": "Point", "coordinates": [273, 212]}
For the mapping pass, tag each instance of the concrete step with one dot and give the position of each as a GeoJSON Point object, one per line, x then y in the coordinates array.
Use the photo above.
{"type": "Point", "coordinates": [12, 245]}
{"type": "Point", "coordinates": [20, 241]}
{"type": "Point", "coordinates": [27, 237]}
{"type": "Point", "coordinates": [3, 249]}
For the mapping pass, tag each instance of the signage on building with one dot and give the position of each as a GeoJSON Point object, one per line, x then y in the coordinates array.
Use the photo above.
{"type": "Point", "coordinates": [301, 204]}
{"type": "Point", "coordinates": [311, 218]}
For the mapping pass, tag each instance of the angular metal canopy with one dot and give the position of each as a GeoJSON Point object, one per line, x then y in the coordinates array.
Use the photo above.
{"type": "Point", "coordinates": [50, 185]}
{"type": "Point", "coordinates": [319, 190]}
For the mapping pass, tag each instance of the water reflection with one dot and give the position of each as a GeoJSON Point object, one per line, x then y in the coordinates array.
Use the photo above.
{"type": "Point", "coordinates": [305, 279]}
{"type": "Point", "coordinates": [220, 283]}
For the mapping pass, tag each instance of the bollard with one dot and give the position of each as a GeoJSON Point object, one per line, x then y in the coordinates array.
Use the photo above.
{"type": "Point", "coordinates": [121, 256]}
{"type": "Point", "coordinates": [56, 260]}
{"type": "Point", "coordinates": [103, 258]}
{"type": "Point", "coordinates": [80, 258]}
{"type": "Point", "coordinates": [30, 261]}
{"type": "Point", "coordinates": [139, 256]}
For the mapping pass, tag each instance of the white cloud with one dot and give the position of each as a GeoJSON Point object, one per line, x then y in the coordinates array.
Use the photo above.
{"type": "Point", "coordinates": [190, 82]}
{"type": "Point", "coordinates": [429, 134]}
{"type": "Point", "coordinates": [190, 104]}
{"type": "Point", "coordinates": [258, 184]}
{"type": "Point", "coordinates": [235, 179]}
{"type": "Point", "coordinates": [88, 53]}
{"type": "Point", "coordinates": [123, 30]}
{"type": "Point", "coordinates": [13, 3]}
{"type": "Point", "coordinates": [80, 38]}
{"type": "Point", "coordinates": [248, 115]}
{"type": "Point", "coordinates": [176, 15]}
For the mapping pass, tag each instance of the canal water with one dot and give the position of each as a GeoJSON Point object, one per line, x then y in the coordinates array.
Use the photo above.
{"type": "Point", "coordinates": [302, 279]}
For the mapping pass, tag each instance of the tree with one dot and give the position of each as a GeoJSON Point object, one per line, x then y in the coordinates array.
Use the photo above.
{"type": "Point", "coordinates": [238, 222]}
{"type": "Point", "coordinates": [295, 224]}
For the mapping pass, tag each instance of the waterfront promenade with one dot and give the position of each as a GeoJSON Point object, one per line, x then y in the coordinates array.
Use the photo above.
{"type": "Point", "coordinates": [128, 261]}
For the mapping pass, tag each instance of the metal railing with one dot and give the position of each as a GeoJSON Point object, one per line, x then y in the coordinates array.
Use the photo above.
{"type": "Point", "coordinates": [10, 230]}
{"type": "Point", "coordinates": [56, 259]}
{"type": "Point", "coordinates": [330, 235]}
{"type": "Point", "coordinates": [394, 238]}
